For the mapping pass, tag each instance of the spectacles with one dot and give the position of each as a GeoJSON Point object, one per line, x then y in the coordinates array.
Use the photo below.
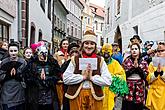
{"type": "Point", "coordinates": [160, 51]}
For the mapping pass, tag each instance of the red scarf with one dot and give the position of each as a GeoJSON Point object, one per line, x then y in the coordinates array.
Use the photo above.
{"type": "Point", "coordinates": [64, 52]}
{"type": "Point", "coordinates": [91, 56]}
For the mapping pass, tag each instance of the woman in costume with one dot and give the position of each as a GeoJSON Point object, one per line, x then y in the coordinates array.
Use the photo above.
{"type": "Point", "coordinates": [12, 80]}
{"type": "Point", "coordinates": [156, 80]}
{"type": "Point", "coordinates": [85, 86]}
{"type": "Point", "coordinates": [136, 71]}
{"type": "Point", "coordinates": [119, 85]}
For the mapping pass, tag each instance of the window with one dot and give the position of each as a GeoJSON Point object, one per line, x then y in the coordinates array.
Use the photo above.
{"type": "Point", "coordinates": [32, 35]}
{"type": "Point", "coordinates": [68, 31]}
{"type": "Point", "coordinates": [75, 31]}
{"type": "Point", "coordinates": [42, 4]}
{"type": "Point", "coordinates": [88, 20]}
{"type": "Point", "coordinates": [55, 20]}
{"type": "Point", "coordinates": [108, 10]}
{"type": "Point", "coordinates": [102, 41]}
{"type": "Point", "coordinates": [4, 32]}
{"type": "Point", "coordinates": [61, 25]}
{"type": "Point", "coordinates": [49, 9]}
{"type": "Point", "coordinates": [72, 31]}
{"type": "Point", "coordinates": [118, 7]}
{"type": "Point", "coordinates": [40, 35]}
{"type": "Point", "coordinates": [96, 25]}
{"type": "Point", "coordinates": [135, 30]}
{"type": "Point", "coordinates": [101, 26]}
{"type": "Point", "coordinates": [58, 22]}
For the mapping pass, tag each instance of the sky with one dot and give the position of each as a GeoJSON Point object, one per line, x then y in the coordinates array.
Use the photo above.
{"type": "Point", "coordinates": [98, 2]}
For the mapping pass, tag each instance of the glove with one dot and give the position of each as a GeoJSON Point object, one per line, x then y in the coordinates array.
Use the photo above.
{"type": "Point", "coordinates": [161, 73]}
{"type": "Point", "coordinates": [156, 73]}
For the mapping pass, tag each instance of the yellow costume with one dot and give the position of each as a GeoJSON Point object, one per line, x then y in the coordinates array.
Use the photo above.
{"type": "Point", "coordinates": [156, 92]}
{"type": "Point", "coordinates": [116, 70]}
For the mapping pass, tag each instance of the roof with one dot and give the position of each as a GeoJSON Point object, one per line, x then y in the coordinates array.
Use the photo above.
{"type": "Point", "coordinates": [97, 10]}
{"type": "Point", "coordinates": [82, 2]}
{"type": "Point", "coordinates": [63, 6]}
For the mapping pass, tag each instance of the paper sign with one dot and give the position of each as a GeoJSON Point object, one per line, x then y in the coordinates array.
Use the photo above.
{"type": "Point", "coordinates": [157, 60]}
{"type": "Point", "coordinates": [83, 62]}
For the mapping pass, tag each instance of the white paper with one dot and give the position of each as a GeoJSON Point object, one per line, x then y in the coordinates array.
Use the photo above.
{"type": "Point", "coordinates": [83, 62]}
{"type": "Point", "coordinates": [157, 60]}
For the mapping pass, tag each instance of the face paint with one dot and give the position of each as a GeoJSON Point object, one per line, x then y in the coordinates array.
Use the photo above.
{"type": "Point", "coordinates": [135, 51]}
{"type": "Point", "coordinates": [13, 52]}
{"type": "Point", "coordinates": [106, 55]}
{"type": "Point", "coordinates": [42, 53]}
{"type": "Point", "coordinates": [28, 53]}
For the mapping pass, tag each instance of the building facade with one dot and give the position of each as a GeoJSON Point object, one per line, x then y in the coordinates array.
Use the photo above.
{"type": "Point", "coordinates": [40, 20]}
{"type": "Point", "coordinates": [98, 23]}
{"type": "Point", "coordinates": [59, 22]}
{"type": "Point", "coordinates": [87, 16]}
{"type": "Point", "coordinates": [8, 20]}
{"type": "Point", "coordinates": [125, 18]}
{"type": "Point", "coordinates": [74, 23]}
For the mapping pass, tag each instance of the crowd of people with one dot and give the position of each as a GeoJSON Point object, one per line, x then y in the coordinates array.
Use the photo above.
{"type": "Point", "coordinates": [34, 79]}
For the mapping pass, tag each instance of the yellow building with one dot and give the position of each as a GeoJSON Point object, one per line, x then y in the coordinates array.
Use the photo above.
{"type": "Point", "coordinates": [87, 16]}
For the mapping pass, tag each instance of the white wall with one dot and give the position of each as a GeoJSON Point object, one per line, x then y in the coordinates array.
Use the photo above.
{"type": "Point", "coordinates": [151, 25]}
{"type": "Point", "coordinates": [40, 19]}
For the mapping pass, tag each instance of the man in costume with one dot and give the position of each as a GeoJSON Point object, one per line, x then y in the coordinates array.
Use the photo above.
{"type": "Point", "coordinates": [43, 76]}
{"type": "Point", "coordinates": [156, 80]}
{"type": "Point", "coordinates": [117, 73]}
{"type": "Point", "coordinates": [85, 86]}
{"type": "Point", "coordinates": [11, 78]}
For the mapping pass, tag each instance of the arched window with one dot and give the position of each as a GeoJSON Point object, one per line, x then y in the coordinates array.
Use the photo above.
{"type": "Point", "coordinates": [32, 33]}
{"type": "Point", "coordinates": [40, 35]}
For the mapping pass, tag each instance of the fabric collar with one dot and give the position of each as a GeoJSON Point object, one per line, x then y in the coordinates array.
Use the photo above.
{"type": "Point", "coordinates": [94, 55]}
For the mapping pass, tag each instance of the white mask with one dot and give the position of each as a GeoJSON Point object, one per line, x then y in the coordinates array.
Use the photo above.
{"type": "Point", "coordinates": [13, 52]}
{"type": "Point", "coordinates": [28, 53]}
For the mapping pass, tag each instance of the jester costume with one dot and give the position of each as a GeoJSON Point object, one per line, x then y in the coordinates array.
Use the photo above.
{"type": "Point", "coordinates": [135, 99]}
{"type": "Point", "coordinates": [156, 96]}
{"type": "Point", "coordinates": [118, 75]}
{"type": "Point", "coordinates": [42, 78]}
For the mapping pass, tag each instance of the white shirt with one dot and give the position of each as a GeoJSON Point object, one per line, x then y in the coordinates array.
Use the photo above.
{"type": "Point", "coordinates": [70, 78]}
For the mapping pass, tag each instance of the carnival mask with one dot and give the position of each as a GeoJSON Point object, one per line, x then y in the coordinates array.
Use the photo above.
{"type": "Point", "coordinates": [28, 53]}
{"type": "Point", "coordinates": [42, 53]}
{"type": "Point", "coordinates": [13, 52]}
{"type": "Point", "coordinates": [107, 50]}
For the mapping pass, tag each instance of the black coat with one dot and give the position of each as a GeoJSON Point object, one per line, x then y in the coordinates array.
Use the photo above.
{"type": "Point", "coordinates": [3, 54]}
{"type": "Point", "coordinates": [41, 92]}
